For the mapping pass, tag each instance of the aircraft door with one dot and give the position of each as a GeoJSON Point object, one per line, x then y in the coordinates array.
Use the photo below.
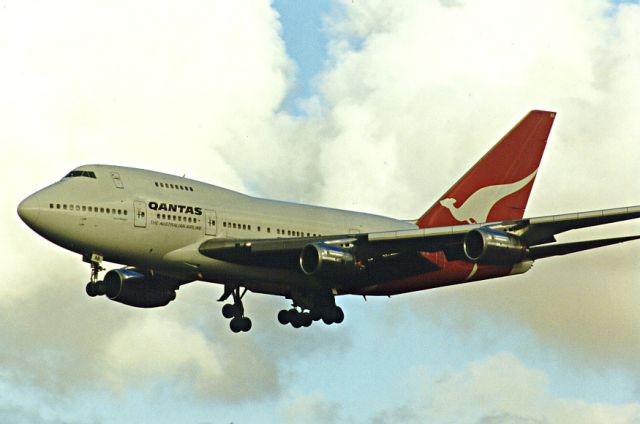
{"type": "Point", "coordinates": [115, 176]}
{"type": "Point", "coordinates": [139, 213]}
{"type": "Point", "coordinates": [210, 227]}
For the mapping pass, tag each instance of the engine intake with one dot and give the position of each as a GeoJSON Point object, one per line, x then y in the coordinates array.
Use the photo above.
{"type": "Point", "coordinates": [132, 288]}
{"type": "Point", "coordinates": [323, 259]}
{"type": "Point", "coordinates": [487, 246]}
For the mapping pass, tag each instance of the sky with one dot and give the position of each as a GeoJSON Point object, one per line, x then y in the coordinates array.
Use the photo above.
{"type": "Point", "coordinates": [372, 106]}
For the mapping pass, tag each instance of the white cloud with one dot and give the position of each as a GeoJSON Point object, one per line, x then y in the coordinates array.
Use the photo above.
{"type": "Point", "coordinates": [311, 408]}
{"type": "Point", "coordinates": [415, 93]}
{"type": "Point", "coordinates": [500, 389]}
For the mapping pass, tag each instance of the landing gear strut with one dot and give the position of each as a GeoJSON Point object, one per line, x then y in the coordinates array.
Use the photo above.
{"type": "Point", "coordinates": [235, 310]}
{"type": "Point", "coordinates": [95, 287]}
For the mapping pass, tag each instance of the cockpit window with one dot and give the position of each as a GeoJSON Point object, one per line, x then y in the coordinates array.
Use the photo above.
{"type": "Point", "coordinates": [88, 174]}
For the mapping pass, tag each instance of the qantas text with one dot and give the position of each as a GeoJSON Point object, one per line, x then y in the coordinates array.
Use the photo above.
{"type": "Point", "coordinates": [170, 207]}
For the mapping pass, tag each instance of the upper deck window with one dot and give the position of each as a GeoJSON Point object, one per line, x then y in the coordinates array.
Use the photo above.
{"type": "Point", "coordinates": [77, 173]}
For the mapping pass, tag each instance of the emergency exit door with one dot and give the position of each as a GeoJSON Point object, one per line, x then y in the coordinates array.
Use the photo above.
{"type": "Point", "coordinates": [139, 213]}
{"type": "Point", "coordinates": [210, 227]}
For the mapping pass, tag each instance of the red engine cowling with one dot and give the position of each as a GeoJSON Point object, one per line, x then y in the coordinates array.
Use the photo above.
{"type": "Point", "coordinates": [133, 288]}
{"type": "Point", "coordinates": [487, 246]}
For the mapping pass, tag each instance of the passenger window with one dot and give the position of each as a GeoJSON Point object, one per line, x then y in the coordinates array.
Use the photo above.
{"type": "Point", "coordinates": [101, 210]}
{"type": "Point", "coordinates": [50, 205]}
{"type": "Point", "coordinates": [84, 208]}
{"type": "Point", "coordinates": [125, 211]}
{"type": "Point", "coordinates": [190, 188]}
{"type": "Point", "coordinates": [268, 229]}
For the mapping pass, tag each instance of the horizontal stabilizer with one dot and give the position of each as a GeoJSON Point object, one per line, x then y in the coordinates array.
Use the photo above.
{"type": "Point", "coordinates": [539, 252]}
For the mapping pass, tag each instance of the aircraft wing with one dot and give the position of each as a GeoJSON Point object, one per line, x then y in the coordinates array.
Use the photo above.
{"type": "Point", "coordinates": [537, 234]}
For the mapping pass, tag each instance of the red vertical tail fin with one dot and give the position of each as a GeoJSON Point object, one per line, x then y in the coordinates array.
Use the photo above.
{"type": "Point", "coordinates": [497, 188]}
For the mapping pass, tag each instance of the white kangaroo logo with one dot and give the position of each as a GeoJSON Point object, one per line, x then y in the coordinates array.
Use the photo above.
{"type": "Point", "coordinates": [477, 207]}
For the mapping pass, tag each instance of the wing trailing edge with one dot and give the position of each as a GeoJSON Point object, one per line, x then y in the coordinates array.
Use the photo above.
{"type": "Point", "coordinates": [545, 251]}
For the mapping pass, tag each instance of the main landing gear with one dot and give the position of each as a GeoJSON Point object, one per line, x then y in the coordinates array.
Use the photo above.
{"type": "Point", "coordinates": [299, 317]}
{"type": "Point", "coordinates": [235, 310]}
{"type": "Point", "coordinates": [95, 287]}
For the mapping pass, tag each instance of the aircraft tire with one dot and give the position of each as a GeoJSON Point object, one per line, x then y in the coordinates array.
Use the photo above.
{"type": "Point", "coordinates": [306, 319]}
{"type": "Point", "coordinates": [236, 325]}
{"type": "Point", "coordinates": [295, 319]}
{"type": "Point", "coordinates": [316, 314]}
{"type": "Point", "coordinates": [245, 324]}
{"type": "Point", "coordinates": [91, 289]}
{"type": "Point", "coordinates": [228, 311]}
{"type": "Point", "coordinates": [339, 315]}
{"type": "Point", "coordinates": [283, 317]}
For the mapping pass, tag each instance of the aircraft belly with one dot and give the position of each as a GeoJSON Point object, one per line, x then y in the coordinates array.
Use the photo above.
{"type": "Point", "coordinates": [456, 272]}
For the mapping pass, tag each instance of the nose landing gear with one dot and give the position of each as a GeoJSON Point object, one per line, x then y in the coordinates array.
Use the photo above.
{"type": "Point", "coordinates": [95, 287]}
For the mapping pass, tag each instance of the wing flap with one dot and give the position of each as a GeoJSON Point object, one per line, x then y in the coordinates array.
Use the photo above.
{"type": "Point", "coordinates": [539, 252]}
{"type": "Point", "coordinates": [541, 230]}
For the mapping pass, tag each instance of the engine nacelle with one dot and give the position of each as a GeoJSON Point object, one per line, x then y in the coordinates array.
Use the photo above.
{"type": "Point", "coordinates": [322, 259]}
{"type": "Point", "coordinates": [487, 246]}
{"type": "Point", "coordinates": [132, 288]}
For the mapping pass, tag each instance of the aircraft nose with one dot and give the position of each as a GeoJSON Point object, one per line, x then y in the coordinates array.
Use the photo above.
{"type": "Point", "coordinates": [29, 210]}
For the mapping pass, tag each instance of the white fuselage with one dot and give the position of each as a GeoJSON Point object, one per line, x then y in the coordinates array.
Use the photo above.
{"type": "Point", "coordinates": [144, 218]}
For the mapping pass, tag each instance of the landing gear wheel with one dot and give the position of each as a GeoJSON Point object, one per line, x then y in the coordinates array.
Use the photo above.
{"type": "Point", "coordinates": [236, 325]}
{"type": "Point", "coordinates": [305, 319]}
{"type": "Point", "coordinates": [228, 311]}
{"type": "Point", "coordinates": [283, 317]}
{"type": "Point", "coordinates": [239, 324]}
{"type": "Point", "coordinates": [332, 315]}
{"type": "Point", "coordinates": [91, 289]}
{"type": "Point", "coordinates": [295, 318]}
{"type": "Point", "coordinates": [245, 324]}
{"type": "Point", "coordinates": [316, 314]}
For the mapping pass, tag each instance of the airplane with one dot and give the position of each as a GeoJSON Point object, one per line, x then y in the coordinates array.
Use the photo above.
{"type": "Point", "coordinates": [170, 231]}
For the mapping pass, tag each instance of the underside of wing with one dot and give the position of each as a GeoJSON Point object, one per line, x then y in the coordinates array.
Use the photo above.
{"type": "Point", "coordinates": [397, 254]}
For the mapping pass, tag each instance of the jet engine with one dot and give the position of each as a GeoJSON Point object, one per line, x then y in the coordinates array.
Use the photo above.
{"type": "Point", "coordinates": [487, 246]}
{"type": "Point", "coordinates": [132, 288]}
{"type": "Point", "coordinates": [324, 260]}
